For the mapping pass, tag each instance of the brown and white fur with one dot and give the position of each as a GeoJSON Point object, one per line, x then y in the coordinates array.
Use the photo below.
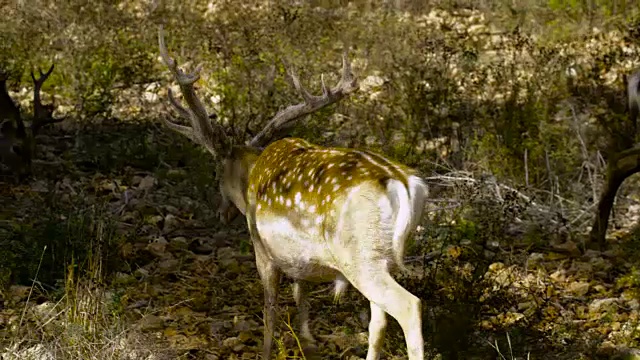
{"type": "Point", "coordinates": [317, 214]}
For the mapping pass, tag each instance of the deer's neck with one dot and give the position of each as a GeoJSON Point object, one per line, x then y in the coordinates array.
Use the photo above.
{"type": "Point", "coordinates": [237, 171]}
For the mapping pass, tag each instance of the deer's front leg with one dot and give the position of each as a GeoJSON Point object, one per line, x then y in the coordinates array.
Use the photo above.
{"type": "Point", "coordinates": [227, 211]}
{"type": "Point", "coordinates": [270, 277]}
{"type": "Point", "coordinates": [300, 291]}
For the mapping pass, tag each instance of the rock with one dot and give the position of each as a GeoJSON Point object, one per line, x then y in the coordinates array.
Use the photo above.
{"type": "Point", "coordinates": [45, 311]}
{"type": "Point", "coordinates": [38, 351]}
{"type": "Point", "coordinates": [171, 222]}
{"type": "Point", "coordinates": [558, 276]}
{"type": "Point", "coordinates": [155, 219]}
{"type": "Point", "coordinates": [141, 272]}
{"type": "Point", "coordinates": [227, 259]}
{"type": "Point", "coordinates": [200, 246]}
{"type": "Point", "coordinates": [18, 292]}
{"type": "Point", "coordinates": [598, 304]}
{"type": "Point", "coordinates": [526, 305]}
{"type": "Point", "coordinates": [245, 336]}
{"type": "Point", "coordinates": [176, 174]}
{"type": "Point", "coordinates": [39, 186]}
{"type": "Point", "coordinates": [151, 323]}
{"type": "Point", "coordinates": [231, 342]}
{"type": "Point", "coordinates": [168, 265]}
{"type": "Point", "coordinates": [600, 288]}
{"type": "Point", "coordinates": [158, 247]}
{"type": "Point", "coordinates": [147, 182]}
{"type": "Point", "coordinates": [171, 209]}
{"type": "Point", "coordinates": [129, 217]}
{"type": "Point", "coordinates": [590, 254]}
{"type": "Point", "coordinates": [581, 269]}
{"type": "Point", "coordinates": [242, 325]}
{"type": "Point", "coordinates": [178, 243]}
{"type": "Point", "coordinates": [535, 258]}
{"type": "Point", "coordinates": [568, 247]}
{"type": "Point", "coordinates": [579, 288]}
{"type": "Point", "coordinates": [135, 181]}
{"type": "Point", "coordinates": [600, 264]}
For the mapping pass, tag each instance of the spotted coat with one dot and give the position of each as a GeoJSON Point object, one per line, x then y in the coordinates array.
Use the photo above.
{"type": "Point", "coordinates": [295, 177]}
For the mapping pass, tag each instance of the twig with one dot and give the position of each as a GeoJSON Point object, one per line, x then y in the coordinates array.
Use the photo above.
{"type": "Point", "coordinates": [585, 153]}
{"type": "Point", "coordinates": [472, 180]}
{"type": "Point", "coordinates": [550, 175]}
{"type": "Point", "coordinates": [582, 213]}
{"type": "Point", "coordinates": [526, 167]}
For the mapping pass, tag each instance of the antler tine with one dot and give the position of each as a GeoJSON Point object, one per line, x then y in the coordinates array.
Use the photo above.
{"type": "Point", "coordinates": [325, 92]}
{"type": "Point", "coordinates": [181, 129]}
{"type": "Point", "coordinates": [209, 134]}
{"type": "Point", "coordinates": [287, 117]}
{"type": "Point", "coordinates": [176, 105]}
{"type": "Point", "coordinates": [37, 86]}
{"type": "Point", "coordinates": [43, 76]}
{"type": "Point", "coordinates": [347, 74]}
{"type": "Point", "coordinates": [296, 83]}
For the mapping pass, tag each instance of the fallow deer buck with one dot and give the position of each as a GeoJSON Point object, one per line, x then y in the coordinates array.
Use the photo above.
{"type": "Point", "coordinates": [316, 214]}
{"type": "Point", "coordinates": [17, 141]}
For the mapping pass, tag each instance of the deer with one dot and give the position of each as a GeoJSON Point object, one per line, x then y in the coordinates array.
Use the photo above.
{"type": "Point", "coordinates": [17, 141]}
{"type": "Point", "coordinates": [314, 214]}
{"type": "Point", "coordinates": [623, 161]}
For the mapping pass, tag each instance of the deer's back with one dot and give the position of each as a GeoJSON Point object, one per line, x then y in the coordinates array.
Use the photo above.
{"type": "Point", "coordinates": [300, 192]}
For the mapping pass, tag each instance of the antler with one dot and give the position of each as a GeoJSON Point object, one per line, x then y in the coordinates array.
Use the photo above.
{"type": "Point", "coordinates": [287, 117]}
{"type": "Point", "coordinates": [212, 135]}
{"type": "Point", "coordinates": [42, 114]}
{"type": "Point", "coordinates": [208, 133]}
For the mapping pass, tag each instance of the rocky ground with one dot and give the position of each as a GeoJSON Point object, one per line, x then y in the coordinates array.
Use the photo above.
{"type": "Point", "coordinates": [166, 280]}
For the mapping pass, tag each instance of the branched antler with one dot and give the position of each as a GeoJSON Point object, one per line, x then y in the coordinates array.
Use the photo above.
{"type": "Point", "coordinates": [209, 134]}
{"type": "Point", "coordinates": [42, 114]}
{"type": "Point", "coordinates": [287, 117]}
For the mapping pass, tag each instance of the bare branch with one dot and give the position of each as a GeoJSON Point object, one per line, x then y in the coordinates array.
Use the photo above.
{"type": "Point", "coordinates": [633, 92]}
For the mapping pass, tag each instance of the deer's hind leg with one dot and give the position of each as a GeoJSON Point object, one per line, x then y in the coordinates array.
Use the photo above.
{"type": "Point", "coordinates": [365, 231]}
{"type": "Point", "coordinates": [387, 296]}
